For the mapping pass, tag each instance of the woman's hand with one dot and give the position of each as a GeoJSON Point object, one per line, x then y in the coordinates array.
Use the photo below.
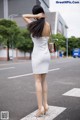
{"type": "Point", "coordinates": [41, 15]}
{"type": "Point", "coordinates": [27, 17]}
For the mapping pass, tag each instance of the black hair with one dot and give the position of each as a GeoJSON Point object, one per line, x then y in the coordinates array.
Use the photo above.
{"type": "Point", "coordinates": [36, 27]}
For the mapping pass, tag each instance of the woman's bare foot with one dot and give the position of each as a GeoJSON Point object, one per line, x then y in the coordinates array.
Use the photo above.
{"type": "Point", "coordinates": [46, 108]}
{"type": "Point", "coordinates": [40, 112]}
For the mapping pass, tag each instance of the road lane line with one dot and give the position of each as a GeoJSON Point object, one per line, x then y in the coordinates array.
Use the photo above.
{"type": "Point", "coordinates": [20, 76]}
{"type": "Point", "coordinates": [29, 74]}
{"type": "Point", "coordinates": [75, 92]}
{"type": "Point", "coordinates": [54, 69]}
{"type": "Point", "coordinates": [52, 113]}
{"type": "Point", "coordinates": [7, 68]}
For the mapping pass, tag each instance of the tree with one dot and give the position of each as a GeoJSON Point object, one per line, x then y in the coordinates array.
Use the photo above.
{"type": "Point", "coordinates": [9, 31]}
{"type": "Point", "coordinates": [1, 38]}
{"type": "Point", "coordinates": [24, 42]}
{"type": "Point", "coordinates": [72, 43]}
{"type": "Point", "coordinates": [60, 41]}
{"type": "Point", "coordinates": [78, 42]}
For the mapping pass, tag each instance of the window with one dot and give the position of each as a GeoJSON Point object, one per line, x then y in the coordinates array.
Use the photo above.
{"type": "Point", "coordinates": [60, 28]}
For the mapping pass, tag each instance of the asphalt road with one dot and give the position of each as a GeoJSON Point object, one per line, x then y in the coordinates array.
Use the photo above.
{"type": "Point", "coordinates": [17, 88]}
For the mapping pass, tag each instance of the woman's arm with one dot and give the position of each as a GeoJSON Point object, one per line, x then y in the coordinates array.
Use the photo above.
{"type": "Point", "coordinates": [27, 17]}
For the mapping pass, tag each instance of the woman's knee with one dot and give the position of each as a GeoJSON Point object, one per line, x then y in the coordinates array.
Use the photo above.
{"type": "Point", "coordinates": [37, 78]}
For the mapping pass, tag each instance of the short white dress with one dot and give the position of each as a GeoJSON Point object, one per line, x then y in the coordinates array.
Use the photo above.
{"type": "Point", "coordinates": [40, 55]}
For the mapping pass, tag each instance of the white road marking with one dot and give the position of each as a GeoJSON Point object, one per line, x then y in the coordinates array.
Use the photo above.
{"type": "Point", "coordinates": [52, 113]}
{"type": "Point", "coordinates": [75, 92]}
{"type": "Point", "coordinates": [29, 74]}
{"type": "Point", "coordinates": [20, 76]}
{"type": "Point", "coordinates": [54, 69]}
{"type": "Point", "coordinates": [7, 68]}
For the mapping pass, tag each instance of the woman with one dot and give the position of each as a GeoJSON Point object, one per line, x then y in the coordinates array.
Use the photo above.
{"type": "Point", "coordinates": [40, 32]}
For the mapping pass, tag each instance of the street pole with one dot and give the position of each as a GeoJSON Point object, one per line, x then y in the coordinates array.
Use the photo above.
{"type": "Point", "coordinates": [12, 52]}
{"type": "Point", "coordinates": [67, 43]}
{"type": "Point", "coordinates": [67, 47]}
{"type": "Point", "coordinates": [11, 18]}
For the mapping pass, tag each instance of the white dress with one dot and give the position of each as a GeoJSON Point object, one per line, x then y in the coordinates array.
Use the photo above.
{"type": "Point", "coordinates": [40, 55]}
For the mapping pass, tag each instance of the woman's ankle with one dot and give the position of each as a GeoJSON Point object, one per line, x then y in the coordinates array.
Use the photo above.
{"type": "Point", "coordinates": [46, 105]}
{"type": "Point", "coordinates": [41, 107]}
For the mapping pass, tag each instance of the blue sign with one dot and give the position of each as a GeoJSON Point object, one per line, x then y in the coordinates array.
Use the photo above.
{"type": "Point", "coordinates": [76, 52]}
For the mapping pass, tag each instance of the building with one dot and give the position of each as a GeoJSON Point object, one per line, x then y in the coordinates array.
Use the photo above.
{"type": "Point", "coordinates": [58, 24]}
{"type": "Point", "coordinates": [9, 7]}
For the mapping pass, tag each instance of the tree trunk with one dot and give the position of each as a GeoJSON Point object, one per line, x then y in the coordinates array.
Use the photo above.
{"type": "Point", "coordinates": [30, 54]}
{"type": "Point", "coordinates": [8, 51]}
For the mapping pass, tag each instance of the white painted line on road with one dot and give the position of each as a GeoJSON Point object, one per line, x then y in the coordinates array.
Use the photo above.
{"type": "Point", "coordinates": [29, 74]}
{"type": "Point", "coordinates": [20, 76]}
{"type": "Point", "coordinates": [54, 69]}
{"type": "Point", "coordinates": [52, 113]}
{"type": "Point", "coordinates": [75, 92]}
{"type": "Point", "coordinates": [7, 68]}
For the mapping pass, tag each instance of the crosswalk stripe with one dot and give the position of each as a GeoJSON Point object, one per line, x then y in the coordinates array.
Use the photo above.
{"type": "Point", "coordinates": [53, 112]}
{"type": "Point", "coordinates": [75, 92]}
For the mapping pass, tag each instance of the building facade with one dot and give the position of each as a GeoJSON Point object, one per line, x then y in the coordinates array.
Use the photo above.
{"type": "Point", "coordinates": [58, 24]}
{"type": "Point", "coordinates": [9, 7]}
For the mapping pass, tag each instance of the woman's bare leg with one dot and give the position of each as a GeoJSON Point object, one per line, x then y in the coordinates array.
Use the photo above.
{"type": "Point", "coordinates": [44, 89]}
{"type": "Point", "coordinates": [38, 90]}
